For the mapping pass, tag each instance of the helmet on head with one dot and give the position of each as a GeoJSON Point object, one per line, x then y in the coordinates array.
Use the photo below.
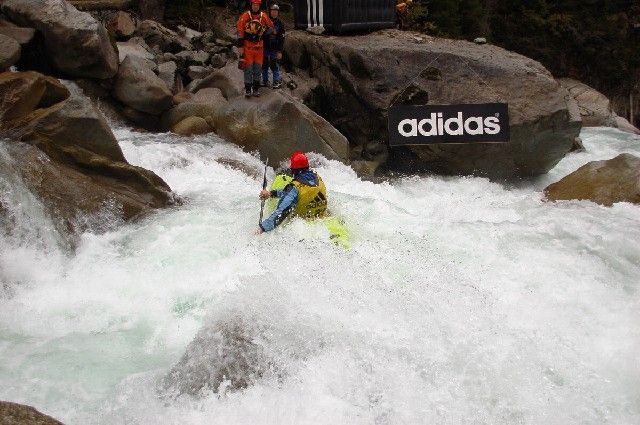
{"type": "Point", "coordinates": [409, 1]}
{"type": "Point", "coordinates": [299, 161]}
{"type": "Point", "coordinates": [258, 2]}
{"type": "Point", "coordinates": [274, 7]}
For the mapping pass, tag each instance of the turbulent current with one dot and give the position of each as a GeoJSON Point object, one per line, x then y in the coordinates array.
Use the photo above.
{"type": "Point", "coordinates": [460, 301]}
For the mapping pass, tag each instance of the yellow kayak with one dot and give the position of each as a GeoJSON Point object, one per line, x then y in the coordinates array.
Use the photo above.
{"type": "Point", "coordinates": [338, 232]}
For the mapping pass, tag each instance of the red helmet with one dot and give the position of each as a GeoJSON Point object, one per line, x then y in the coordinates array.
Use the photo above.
{"type": "Point", "coordinates": [299, 160]}
{"type": "Point", "coordinates": [256, 1]}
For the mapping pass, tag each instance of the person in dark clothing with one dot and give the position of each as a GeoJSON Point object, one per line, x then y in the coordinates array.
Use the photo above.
{"type": "Point", "coordinates": [273, 46]}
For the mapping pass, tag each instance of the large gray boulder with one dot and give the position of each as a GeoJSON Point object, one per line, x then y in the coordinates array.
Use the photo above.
{"type": "Point", "coordinates": [360, 77]}
{"type": "Point", "coordinates": [192, 126]}
{"type": "Point", "coordinates": [276, 125]}
{"type": "Point", "coordinates": [595, 108]}
{"type": "Point", "coordinates": [120, 25]}
{"type": "Point", "coordinates": [603, 182]}
{"type": "Point", "coordinates": [167, 73]}
{"type": "Point", "coordinates": [9, 52]}
{"type": "Point", "coordinates": [206, 105]}
{"type": "Point", "coordinates": [156, 35]}
{"type": "Point", "coordinates": [624, 125]}
{"type": "Point", "coordinates": [22, 35]}
{"type": "Point", "coordinates": [76, 43]}
{"type": "Point", "coordinates": [134, 47]}
{"type": "Point", "coordinates": [226, 350]}
{"type": "Point", "coordinates": [66, 154]}
{"type": "Point", "coordinates": [190, 57]}
{"type": "Point", "coordinates": [228, 79]}
{"type": "Point", "coordinates": [140, 88]}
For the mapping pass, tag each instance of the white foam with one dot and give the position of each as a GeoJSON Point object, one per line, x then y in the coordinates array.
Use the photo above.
{"type": "Point", "coordinates": [460, 301]}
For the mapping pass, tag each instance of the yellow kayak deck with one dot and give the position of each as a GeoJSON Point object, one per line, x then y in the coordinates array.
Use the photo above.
{"type": "Point", "coordinates": [338, 232]}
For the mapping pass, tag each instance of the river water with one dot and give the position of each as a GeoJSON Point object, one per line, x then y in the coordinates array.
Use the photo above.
{"type": "Point", "coordinates": [460, 300]}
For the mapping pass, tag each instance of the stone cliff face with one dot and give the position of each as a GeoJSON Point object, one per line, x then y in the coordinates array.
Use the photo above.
{"type": "Point", "coordinates": [361, 77]}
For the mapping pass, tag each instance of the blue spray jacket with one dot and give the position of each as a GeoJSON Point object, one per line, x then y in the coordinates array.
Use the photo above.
{"type": "Point", "coordinates": [288, 199]}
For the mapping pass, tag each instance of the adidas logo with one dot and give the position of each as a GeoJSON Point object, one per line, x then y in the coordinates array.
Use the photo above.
{"type": "Point", "coordinates": [318, 202]}
{"type": "Point", "coordinates": [436, 125]}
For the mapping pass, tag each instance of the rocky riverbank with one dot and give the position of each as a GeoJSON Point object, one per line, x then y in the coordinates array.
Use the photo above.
{"type": "Point", "coordinates": [335, 101]}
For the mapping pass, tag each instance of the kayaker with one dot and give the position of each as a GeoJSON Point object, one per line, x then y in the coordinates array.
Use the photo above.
{"type": "Point", "coordinates": [305, 197]}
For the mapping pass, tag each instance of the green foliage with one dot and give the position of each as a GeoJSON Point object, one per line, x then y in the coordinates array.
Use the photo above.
{"type": "Point", "coordinates": [450, 18]}
{"type": "Point", "coordinates": [593, 40]}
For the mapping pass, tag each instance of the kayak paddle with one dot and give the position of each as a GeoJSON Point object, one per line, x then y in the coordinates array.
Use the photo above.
{"type": "Point", "coordinates": [264, 187]}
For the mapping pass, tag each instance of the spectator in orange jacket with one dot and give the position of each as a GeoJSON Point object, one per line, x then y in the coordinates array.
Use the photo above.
{"type": "Point", "coordinates": [253, 25]}
{"type": "Point", "coordinates": [402, 13]}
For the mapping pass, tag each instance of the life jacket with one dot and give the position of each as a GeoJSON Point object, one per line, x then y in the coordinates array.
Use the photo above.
{"type": "Point", "coordinates": [312, 200]}
{"type": "Point", "coordinates": [254, 27]}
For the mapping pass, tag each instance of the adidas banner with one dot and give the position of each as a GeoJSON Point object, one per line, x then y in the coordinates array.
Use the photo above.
{"type": "Point", "coordinates": [433, 124]}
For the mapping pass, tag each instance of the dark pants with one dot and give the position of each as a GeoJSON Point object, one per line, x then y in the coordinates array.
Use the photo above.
{"type": "Point", "coordinates": [270, 62]}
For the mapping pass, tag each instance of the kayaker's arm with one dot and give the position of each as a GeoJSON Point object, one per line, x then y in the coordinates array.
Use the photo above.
{"type": "Point", "coordinates": [288, 201]}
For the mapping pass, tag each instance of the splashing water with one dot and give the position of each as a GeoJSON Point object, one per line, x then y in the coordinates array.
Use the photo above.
{"type": "Point", "coordinates": [460, 301]}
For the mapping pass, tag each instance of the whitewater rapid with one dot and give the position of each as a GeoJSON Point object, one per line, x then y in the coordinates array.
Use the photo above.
{"type": "Point", "coordinates": [460, 300]}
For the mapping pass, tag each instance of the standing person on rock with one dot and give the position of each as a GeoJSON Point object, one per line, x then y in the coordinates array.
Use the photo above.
{"type": "Point", "coordinates": [252, 26]}
{"type": "Point", "coordinates": [305, 196]}
{"type": "Point", "coordinates": [273, 46]}
{"type": "Point", "coordinates": [402, 13]}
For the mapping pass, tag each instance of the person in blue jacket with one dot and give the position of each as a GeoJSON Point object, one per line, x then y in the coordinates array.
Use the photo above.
{"type": "Point", "coordinates": [305, 197]}
{"type": "Point", "coordinates": [273, 46]}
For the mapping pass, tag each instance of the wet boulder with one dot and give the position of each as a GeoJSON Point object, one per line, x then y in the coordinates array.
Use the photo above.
{"type": "Point", "coordinates": [228, 79]}
{"type": "Point", "coordinates": [189, 57]}
{"type": "Point", "coordinates": [198, 72]}
{"type": "Point", "coordinates": [120, 25]}
{"type": "Point", "coordinates": [9, 52]}
{"type": "Point", "coordinates": [192, 126]}
{"type": "Point", "coordinates": [66, 154]}
{"type": "Point", "coordinates": [14, 413]}
{"type": "Point", "coordinates": [603, 182]}
{"type": "Point", "coordinates": [138, 87]}
{"type": "Point", "coordinates": [206, 104]}
{"type": "Point", "coordinates": [134, 47]}
{"type": "Point", "coordinates": [594, 107]}
{"type": "Point", "coordinates": [22, 35]}
{"type": "Point", "coordinates": [624, 125]}
{"type": "Point", "coordinates": [222, 351]}
{"type": "Point", "coordinates": [156, 35]}
{"type": "Point", "coordinates": [87, 50]}
{"type": "Point", "coordinates": [167, 73]}
{"type": "Point", "coordinates": [276, 125]}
